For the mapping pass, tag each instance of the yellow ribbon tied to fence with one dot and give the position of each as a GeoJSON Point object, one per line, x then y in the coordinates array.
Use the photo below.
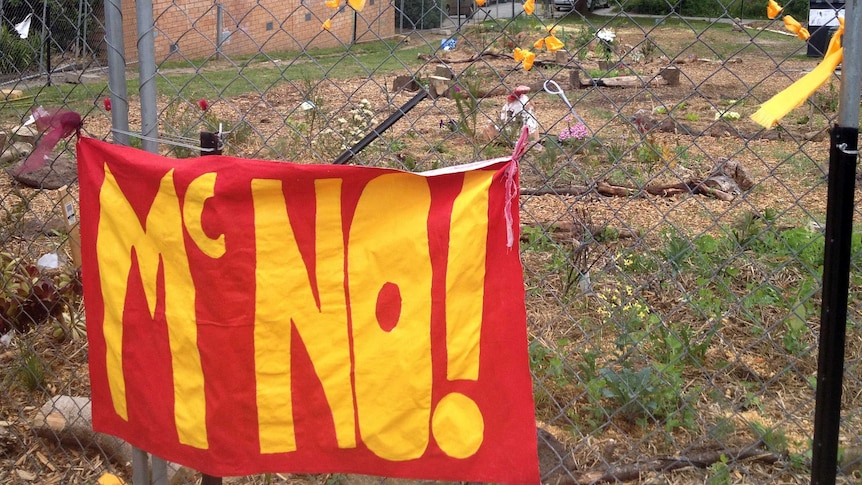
{"type": "Point", "coordinates": [530, 7]}
{"type": "Point", "coordinates": [773, 9]}
{"type": "Point", "coordinates": [792, 25]}
{"type": "Point", "coordinates": [771, 112]}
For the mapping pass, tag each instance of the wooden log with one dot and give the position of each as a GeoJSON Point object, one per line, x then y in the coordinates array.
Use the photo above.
{"type": "Point", "coordinates": [616, 81]}
{"type": "Point", "coordinates": [671, 75]}
{"type": "Point", "coordinates": [630, 472]}
{"type": "Point", "coordinates": [406, 83]}
{"type": "Point", "coordinates": [439, 86]}
{"type": "Point", "coordinates": [442, 70]}
{"type": "Point", "coordinates": [562, 57]}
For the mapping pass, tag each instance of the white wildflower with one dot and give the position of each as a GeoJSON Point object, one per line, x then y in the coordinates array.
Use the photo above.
{"type": "Point", "coordinates": [606, 35]}
{"type": "Point", "coordinates": [727, 115]}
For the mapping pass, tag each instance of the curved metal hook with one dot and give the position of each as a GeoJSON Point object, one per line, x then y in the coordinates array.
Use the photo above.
{"type": "Point", "coordinates": [552, 87]}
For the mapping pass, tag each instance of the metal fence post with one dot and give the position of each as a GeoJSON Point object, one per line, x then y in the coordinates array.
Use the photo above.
{"type": "Point", "coordinates": [117, 71]}
{"type": "Point", "coordinates": [149, 133]}
{"type": "Point", "coordinates": [147, 75]}
{"type": "Point", "coordinates": [219, 27]}
{"type": "Point", "coordinates": [843, 155]}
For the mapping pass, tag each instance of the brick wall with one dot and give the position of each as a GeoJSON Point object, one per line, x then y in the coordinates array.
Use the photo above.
{"type": "Point", "coordinates": [187, 28]}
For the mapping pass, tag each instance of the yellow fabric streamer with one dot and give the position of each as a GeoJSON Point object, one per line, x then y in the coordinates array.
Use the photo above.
{"type": "Point", "coordinates": [525, 57]}
{"type": "Point", "coordinates": [773, 9]}
{"type": "Point", "coordinates": [550, 42]}
{"type": "Point", "coordinates": [357, 5]}
{"type": "Point", "coordinates": [794, 26]}
{"type": "Point", "coordinates": [480, 3]}
{"type": "Point", "coordinates": [332, 3]}
{"type": "Point", "coordinates": [530, 7]}
{"type": "Point", "coordinates": [327, 24]}
{"type": "Point", "coordinates": [797, 93]}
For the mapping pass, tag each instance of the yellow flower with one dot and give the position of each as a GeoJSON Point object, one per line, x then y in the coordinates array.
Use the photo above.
{"type": "Point", "coordinates": [792, 25]}
{"type": "Point", "coordinates": [529, 58]}
{"type": "Point", "coordinates": [530, 7]}
{"type": "Point", "coordinates": [357, 5]}
{"type": "Point", "coordinates": [773, 9]}
{"type": "Point", "coordinates": [550, 42]}
{"type": "Point", "coordinates": [332, 3]}
{"type": "Point", "coordinates": [518, 54]}
{"type": "Point", "coordinates": [525, 57]}
{"type": "Point", "coordinates": [327, 24]}
{"type": "Point", "coordinates": [553, 44]}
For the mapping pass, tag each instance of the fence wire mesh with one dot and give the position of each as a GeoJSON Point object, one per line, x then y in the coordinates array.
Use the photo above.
{"type": "Point", "coordinates": [672, 249]}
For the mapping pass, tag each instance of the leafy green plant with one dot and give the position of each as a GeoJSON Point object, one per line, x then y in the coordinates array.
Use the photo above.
{"type": "Point", "coordinates": [692, 116]}
{"type": "Point", "coordinates": [70, 325]}
{"type": "Point", "coordinates": [719, 472]}
{"type": "Point", "coordinates": [677, 250]}
{"type": "Point", "coordinates": [29, 297]}
{"type": "Point", "coordinates": [600, 73]}
{"type": "Point", "coordinates": [16, 54]}
{"type": "Point", "coordinates": [546, 364]}
{"type": "Point", "coordinates": [547, 160]}
{"type": "Point", "coordinates": [775, 439]}
{"type": "Point", "coordinates": [616, 148]}
{"type": "Point", "coordinates": [581, 40]}
{"type": "Point", "coordinates": [827, 101]}
{"type": "Point", "coordinates": [27, 370]}
{"type": "Point", "coordinates": [649, 50]}
{"type": "Point", "coordinates": [795, 329]}
{"type": "Point", "coordinates": [466, 94]}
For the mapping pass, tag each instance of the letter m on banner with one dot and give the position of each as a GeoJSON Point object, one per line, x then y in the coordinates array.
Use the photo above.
{"type": "Point", "coordinates": [250, 316]}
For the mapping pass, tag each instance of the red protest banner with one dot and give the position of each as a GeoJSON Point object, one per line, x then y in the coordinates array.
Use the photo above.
{"type": "Point", "coordinates": [250, 316]}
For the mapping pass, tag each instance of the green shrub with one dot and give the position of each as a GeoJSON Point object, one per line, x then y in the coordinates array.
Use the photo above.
{"type": "Point", "coordinates": [713, 9]}
{"type": "Point", "coordinates": [419, 14]}
{"type": "Point", "coordinates": [16, 54]}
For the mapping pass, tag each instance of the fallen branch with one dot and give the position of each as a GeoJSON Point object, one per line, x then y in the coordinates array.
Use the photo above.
{"type": "Point", "coordinates": [576, 231]}
{"type": "Point", "coordinates": [693, 186]}
{"type": "Point", "coordinates": [575, 190]}
{"type": "Point", "coordinates": [495, 55]}
{"type": "Point", "coordinates": [473, 58]}
{"type": "Point", "coordinates": [697, 460]}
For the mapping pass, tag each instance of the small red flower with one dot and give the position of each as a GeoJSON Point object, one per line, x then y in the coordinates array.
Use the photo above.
{"type": "Point", "coordinates": [203, 104]}
{"type": "Point", "coordinates": [107, 103]}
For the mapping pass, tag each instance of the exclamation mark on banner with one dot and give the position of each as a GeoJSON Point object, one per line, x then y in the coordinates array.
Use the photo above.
{"type": "Point", "coordinates": [458, 425]}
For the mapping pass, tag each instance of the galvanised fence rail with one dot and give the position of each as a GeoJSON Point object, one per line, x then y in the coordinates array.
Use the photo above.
{"type": "Point", "coordinates": [672, 248]}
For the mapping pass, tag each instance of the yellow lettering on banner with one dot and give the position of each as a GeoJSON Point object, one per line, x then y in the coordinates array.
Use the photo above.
{"type": "Point", "coordinates": [389, 259]}
{"type": "Point", "coordinates": [199, 191]}
{"type": "Point", "coordinates": [465, 275]}
{"type": "Point", "coordinates": [160, 246]}
{"type": "Point", "coordinates": [284, 294]}
{"type": "Point", "coordinates": [458, 425]}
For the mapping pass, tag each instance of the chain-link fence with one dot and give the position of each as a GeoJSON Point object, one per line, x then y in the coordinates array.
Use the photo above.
{"type": "Point", "coordinates": [672, 249]}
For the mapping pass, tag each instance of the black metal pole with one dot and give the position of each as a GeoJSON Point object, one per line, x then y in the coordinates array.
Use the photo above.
{"type": "Point", "coordinates": [833, 316]}
{"type": "Point", "coordinates": [843, 152]}
{"type": "Point", "coordinates": [210, 143]}
{"type": "Point", "coordinates": [379, 129]}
